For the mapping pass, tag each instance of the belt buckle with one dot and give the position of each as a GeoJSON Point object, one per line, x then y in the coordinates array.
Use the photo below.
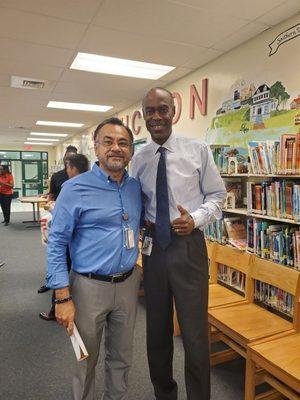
{"type": "Point", "coordinates": [115, 276]}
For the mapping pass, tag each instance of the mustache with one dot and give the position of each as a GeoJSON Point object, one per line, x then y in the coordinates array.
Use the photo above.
{"type": "Point", "coordinates": [115, 155]}
{"type": "Point", "coordinates": [157, 123]}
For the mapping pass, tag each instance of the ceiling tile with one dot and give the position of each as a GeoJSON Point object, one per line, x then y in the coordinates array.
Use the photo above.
{"type": "Point", "coordinates": [115, 43]}
{"type": "Point", "coordinates": [247, 10]}
{"type": "Point", "coordinates": [29, 52]}
{"type": "Point", "coordinates": [30, 69]}
{"type": "Point", "coordinates": [278, 14]}
{"type": "Point", "coordinates": [111, 86]}
{"type": "Point", "coordinates": [74, 10]}
{"type": "Point", "coordinates": [202, 57]}
{"type": "Point", "coordinates": [242, 35]}
{"type": "Point", "coordinates": [167, 21]}
{"type": "Point", "coordinates": [173, 75]}
{"type": "Point", "coordinates": [39, 29]}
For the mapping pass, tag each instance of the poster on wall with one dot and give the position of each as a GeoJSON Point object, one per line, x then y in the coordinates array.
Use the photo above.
{"type": "Point", "coordinates": [255, 110]}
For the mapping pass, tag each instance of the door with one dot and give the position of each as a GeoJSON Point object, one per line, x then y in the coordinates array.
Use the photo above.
{"type": "Point", "coordinates": [32, 174]}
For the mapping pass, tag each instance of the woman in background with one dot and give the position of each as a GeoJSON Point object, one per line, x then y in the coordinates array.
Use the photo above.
{"type": "Point", "coordinates": [6, 192]}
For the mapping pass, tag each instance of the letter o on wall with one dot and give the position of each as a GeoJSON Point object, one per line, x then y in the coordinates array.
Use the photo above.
{"type": "Point", "coordinates": [178, 107]}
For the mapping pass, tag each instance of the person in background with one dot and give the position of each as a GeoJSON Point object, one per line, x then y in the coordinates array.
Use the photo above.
{"type": "Point", "coordinates": [183, 192]}
{"type": "Point", "coordinates": [75, 164]}
{"type": "Point", "coordinates": [57, 179]}
{"type": "Point", "coordinates": [98, 215]}
{"type": "Point", "coordinates": [6, 192]}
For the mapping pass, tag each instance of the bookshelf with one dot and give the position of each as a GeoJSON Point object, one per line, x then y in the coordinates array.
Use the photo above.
{"type": "Point", "coordinates": [263, 188]}
{"type": "Point", "coordinates": [243, 211]}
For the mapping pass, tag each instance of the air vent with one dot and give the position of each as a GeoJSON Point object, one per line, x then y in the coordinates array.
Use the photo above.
{"type": "Point", "coordinates": [27, 83]}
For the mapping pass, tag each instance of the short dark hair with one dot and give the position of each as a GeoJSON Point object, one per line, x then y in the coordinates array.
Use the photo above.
{"type": "Point", "coordinates": [79, 161]}
{"type": "Point", "coordinates": [5, 168]}
{"type": "Point", "coordinates": [71, 149]}
{"type": "Point", "coordinates": [113, 121]}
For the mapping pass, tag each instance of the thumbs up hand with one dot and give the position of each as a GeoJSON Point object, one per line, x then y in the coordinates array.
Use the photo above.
{"type": "Point", "coordinates": [183, 225]}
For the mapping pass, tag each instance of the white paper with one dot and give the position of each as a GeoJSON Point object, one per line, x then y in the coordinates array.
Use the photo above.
{"type": "Point", "coordinates": [78, 345]}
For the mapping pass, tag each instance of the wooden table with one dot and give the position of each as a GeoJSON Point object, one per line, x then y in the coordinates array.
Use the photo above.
{"type": "Point", "coordinates": [35, 201]}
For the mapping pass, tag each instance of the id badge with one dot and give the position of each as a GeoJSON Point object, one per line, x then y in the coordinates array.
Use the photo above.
{"type": "Point", "coordinates": [147, 246]}
{"type": "Point", "coordinates": [129, 238]}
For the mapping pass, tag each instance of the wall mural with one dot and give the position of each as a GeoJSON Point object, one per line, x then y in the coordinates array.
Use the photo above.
{"type": "Point", "coordinates": [255, 111]}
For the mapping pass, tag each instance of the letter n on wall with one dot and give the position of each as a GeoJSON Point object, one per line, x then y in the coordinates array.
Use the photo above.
{"type": "Point", "coordinates": [195, 98]}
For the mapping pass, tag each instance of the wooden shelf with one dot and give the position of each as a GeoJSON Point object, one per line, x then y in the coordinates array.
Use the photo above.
{"type": "Point", "coordinates": [244, 211]}
{"type": "Point", "coordinates": [240, 211]}
{"type": "Point", "coordinates": [289, 176]}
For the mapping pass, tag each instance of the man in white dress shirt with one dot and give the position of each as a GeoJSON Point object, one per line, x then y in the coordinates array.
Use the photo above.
{"type": "Point", "coordinates": [183, 192]}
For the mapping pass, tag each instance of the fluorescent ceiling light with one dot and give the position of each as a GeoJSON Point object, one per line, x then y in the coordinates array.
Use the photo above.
{"type": "Point", "coordinates": [41, 143]}
{"type": "Point", "coordinates": [27, 155]}
{"type": "Point", "coordinates": [42, 139]}
{"type": "Point", "coordinates": [119, 66]}
{"type": "Point", "coordinates": [55, 123]}
{"type": "Point", "coordinates": [78, 106]}
{"type": "Point", "coordinates": [48, 134]}
{"type": "Point", "coordinates": [2, 152]}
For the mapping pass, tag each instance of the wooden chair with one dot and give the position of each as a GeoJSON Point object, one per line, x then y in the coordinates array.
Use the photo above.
{"type": "Point", "coordinates": [219, 295]}
{"type": "Point", "coordinates": [242, 324]}
{"type": "Point", "coordinates": [276, 362]}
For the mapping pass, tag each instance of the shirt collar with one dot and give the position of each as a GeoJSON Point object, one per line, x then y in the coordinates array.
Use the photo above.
{"type": "Point", "coordinates": [104, 175]}
{"type": "Point", "coordinates": [169, 144]}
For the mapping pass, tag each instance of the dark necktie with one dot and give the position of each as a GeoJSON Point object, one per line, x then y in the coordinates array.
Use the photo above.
{"type": "Point", "coordinates": [162, 222]}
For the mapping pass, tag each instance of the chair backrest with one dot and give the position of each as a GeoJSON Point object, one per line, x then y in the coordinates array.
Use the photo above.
{"type": "Point", "coordinates": [233, 258]}
{"type": "Point", "coordinates": [279, 276]}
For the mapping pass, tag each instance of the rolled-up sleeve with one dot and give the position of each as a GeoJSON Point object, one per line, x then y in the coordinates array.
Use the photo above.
{"type": "Point", "coordinates": [213, 190]}
{"type": "Point", "coordinates": [65, 216]}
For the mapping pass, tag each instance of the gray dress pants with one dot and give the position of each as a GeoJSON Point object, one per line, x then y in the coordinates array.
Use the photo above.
{"type": "Point", "coordinates": [112, 307]}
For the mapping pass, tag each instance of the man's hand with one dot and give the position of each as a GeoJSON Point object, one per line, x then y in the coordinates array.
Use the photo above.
{"type": "Point", "coordinates": [184, 225]}
{"type": "Point", "coordinates": [65, 314]}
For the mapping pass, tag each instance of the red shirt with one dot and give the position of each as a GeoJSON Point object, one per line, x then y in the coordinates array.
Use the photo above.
{"type": "Point", "coordinates": [6, 178]}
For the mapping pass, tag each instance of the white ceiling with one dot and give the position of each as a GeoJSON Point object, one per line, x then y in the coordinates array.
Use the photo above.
{"type": "Point", "coordinates": [39, 39]}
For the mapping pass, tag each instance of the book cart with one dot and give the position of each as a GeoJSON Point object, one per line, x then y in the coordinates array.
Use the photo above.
{"type": "Point", "coordinates": [265, 329]}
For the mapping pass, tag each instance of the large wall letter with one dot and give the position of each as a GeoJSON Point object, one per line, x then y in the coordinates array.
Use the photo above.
{"type": "Point", "coordinates": [201, 102]}
{"type": "Point", "coordinates": [178, 107]}
{"type": "Point", "coordinates": [136, 130]}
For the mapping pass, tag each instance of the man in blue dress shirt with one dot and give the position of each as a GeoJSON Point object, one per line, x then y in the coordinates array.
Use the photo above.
{"type": "Point", "coordinates": [98, 214]}
{"type": "Point", "coordinates": [182, 192]}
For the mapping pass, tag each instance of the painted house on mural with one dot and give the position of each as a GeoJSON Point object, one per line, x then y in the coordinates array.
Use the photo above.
{"type": "Point", "coordinates": [295, 104]}
{"type": "Point", "coordinates": [262, 104]}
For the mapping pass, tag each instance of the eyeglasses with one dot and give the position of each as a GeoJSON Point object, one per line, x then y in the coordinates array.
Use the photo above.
{"type": "Point", "coordinates": [122, 143]}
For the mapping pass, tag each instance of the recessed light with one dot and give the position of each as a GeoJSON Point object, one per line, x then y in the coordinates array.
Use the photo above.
{"type": "Point", "coordinates": [119, 66]}
{"type": "Point", "coordinates": [49, 134]}
{"type": "Point", "coordinates": [56, 123]}
{"type": "Point", "coordinates": [78, 106]}
{"type": "Point", "coordinates": [41, 143]}
{"type": "Point", "coordinates": [42, 139]}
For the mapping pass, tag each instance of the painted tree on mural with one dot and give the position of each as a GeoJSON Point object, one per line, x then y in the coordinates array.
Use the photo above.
{"type": "Point", "coordinates": [278, 92]}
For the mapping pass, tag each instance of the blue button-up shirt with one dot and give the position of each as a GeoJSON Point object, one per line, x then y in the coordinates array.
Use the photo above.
{"type": "Point", "coordinates": [89, 217]}
{"type": "Point", "coordinates": [193, 179]}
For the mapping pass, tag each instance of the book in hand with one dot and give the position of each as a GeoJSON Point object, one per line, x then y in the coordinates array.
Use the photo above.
{"type": "Point", "coordinates": [78, 345]}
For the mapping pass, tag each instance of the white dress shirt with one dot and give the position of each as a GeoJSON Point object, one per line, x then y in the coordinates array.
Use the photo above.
{"type": "Point", "coordinates": [194, 181]}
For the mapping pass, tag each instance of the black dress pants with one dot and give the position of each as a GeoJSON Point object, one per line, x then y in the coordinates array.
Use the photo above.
{"type": "Point", "coordinates": [5, 201]}
{"type": "Point", "coordinates": [179, 272]}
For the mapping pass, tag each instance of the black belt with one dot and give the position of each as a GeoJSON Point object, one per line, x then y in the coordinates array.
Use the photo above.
{"type": "Point", "coordinates": [115, 278]}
